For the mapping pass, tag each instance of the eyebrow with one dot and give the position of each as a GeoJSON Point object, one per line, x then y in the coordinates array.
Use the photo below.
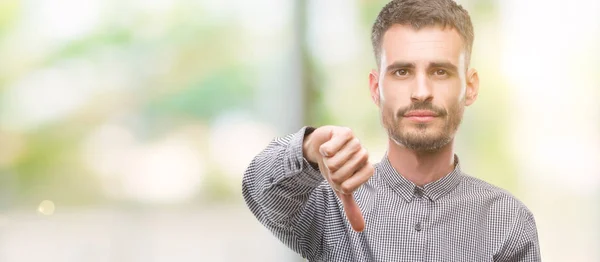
{"type": "Point", "coordinates": [446, 65]}
{"type": "Point", "coordinates": [400, 65]}
{"type": "Point", "coordinates": [407, 65]}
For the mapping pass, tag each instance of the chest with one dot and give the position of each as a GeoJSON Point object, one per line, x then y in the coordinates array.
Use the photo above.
{"type": "Point", "coordinates": [422, 230]}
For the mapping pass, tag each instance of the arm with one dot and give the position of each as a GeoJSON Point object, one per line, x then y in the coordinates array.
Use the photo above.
{"type": "Point", "coordinates": [288, 195]}
{"type": "Point", "coordinates": [522, 245]}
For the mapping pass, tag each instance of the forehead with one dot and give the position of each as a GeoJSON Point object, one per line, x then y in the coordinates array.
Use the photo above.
{"type": "Point", "coordinates": [404, 43]}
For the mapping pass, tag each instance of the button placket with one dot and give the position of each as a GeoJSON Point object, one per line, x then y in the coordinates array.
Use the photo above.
{"type": "Point", "coordinates": [420, 199]}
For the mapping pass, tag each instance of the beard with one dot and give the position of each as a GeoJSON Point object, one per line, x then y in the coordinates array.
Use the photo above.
{"type": "Point", "coordinates": [423, 137]}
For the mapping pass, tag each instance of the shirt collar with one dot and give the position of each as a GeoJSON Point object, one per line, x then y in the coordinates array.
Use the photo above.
{"type": "Point", "coordinates": [407, 189]}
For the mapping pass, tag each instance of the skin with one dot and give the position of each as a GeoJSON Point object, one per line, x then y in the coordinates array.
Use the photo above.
{"type": "Point", "coordinates": [421, 88]}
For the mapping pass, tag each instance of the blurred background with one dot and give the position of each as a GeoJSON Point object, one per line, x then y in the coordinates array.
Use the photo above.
{"type": "Point", "coordinates": [126, 126]}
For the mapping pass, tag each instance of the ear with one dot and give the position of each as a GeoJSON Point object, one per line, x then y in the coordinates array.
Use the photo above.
{"type": "Point", "coordinates": [374, 86]}
{"type": "Point", "coordinates": [472, 87]}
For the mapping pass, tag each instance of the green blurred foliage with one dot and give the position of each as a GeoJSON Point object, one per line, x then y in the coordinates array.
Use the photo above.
{"type": "Point", "coordinates": [228, 89]}
{"type": "Point", "coordinates": [51, 168]}
{"type": "Point", "coordinates": [203, 79]}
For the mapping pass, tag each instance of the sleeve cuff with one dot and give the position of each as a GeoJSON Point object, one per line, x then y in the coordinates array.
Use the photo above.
{"type": "Point", "coordinates": [296, 165]}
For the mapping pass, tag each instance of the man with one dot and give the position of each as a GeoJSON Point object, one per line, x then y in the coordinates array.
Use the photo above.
{"type": "Point", "coordinates": [317, 192]}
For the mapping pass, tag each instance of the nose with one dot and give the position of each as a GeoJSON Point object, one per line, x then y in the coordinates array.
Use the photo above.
{"type": "Point", "coordinates": [421, 91]}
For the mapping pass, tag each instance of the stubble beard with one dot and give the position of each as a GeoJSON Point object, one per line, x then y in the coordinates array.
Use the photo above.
{"type": "Point", "coordinates": [421, 137]}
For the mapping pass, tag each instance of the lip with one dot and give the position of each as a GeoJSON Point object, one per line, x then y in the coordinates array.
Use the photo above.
{"type": "Point", "coordinates": [421, 118]}
{"type": "Point", "coordinates": [420, 115]}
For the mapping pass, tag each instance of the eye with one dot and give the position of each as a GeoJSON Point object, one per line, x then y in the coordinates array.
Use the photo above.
{"type": "Point", "coordinates": [401, 72]}
{"type": "Point", "coordinates": [441, 72]}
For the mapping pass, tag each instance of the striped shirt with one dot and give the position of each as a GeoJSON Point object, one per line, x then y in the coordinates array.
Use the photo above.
{"type": "Point", "coordinates": [456, 218]}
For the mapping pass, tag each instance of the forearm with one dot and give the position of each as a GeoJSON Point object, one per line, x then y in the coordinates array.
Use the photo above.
{"type": "Point", "coordinates": [278, 185]}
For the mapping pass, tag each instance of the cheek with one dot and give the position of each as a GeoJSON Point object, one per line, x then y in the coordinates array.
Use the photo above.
{"type": "Point", "coordinates": [393, 92]}
{"type": "Point", "coordinates": [451, 92]}
{"type": "Point", "coordinates": [455, 108]}
{"type": "Point", "coordinates": [392, 101]}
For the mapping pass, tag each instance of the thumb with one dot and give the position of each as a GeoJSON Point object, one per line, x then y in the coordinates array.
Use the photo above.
{"type": "Point", "coordinates": [321, 135]}
{"type": "Point", "coordinates": [351, 208]}
{"type": "Point", "coordinates": [352, 212]}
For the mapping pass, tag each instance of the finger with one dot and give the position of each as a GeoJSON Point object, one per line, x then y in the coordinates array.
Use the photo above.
{"type": "Point", "coordinates": [357, 179]}
{"type": "Point", "coordinates": [343, 156]}
{"type": "Point", "coordinates": [358, 160]}
{"type": "Point", "coordinates": [324, 170]}
{"type": "Point", "coordinates": [339, 137]}
{"type": "Point", "coordinates": [353, 212]}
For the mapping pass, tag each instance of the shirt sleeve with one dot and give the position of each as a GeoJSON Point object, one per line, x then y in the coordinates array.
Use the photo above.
{"type": "Point", "coordinates": [289, 196]}
{"type": "Point", "coordinates": [522, 244]}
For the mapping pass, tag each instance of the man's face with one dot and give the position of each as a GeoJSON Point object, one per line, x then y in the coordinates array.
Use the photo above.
{"type": "Point", "coordinates": [422, 86]}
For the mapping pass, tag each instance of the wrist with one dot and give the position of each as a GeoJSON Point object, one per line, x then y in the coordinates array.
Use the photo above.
{"type": "Point", "coordinates": [307, 151]}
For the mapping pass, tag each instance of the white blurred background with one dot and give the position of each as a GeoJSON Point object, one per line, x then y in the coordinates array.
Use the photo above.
{"type": "Point", "coordinates": [125, 126]}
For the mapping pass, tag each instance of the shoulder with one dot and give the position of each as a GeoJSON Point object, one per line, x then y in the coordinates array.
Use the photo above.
{"type": "Point", "coordinates": [498, 199]}
{"type": "Point", "coordinates": [510, 224]}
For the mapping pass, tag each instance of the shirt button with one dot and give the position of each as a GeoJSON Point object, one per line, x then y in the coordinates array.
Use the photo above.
{"type": "Point", "coordinates": [418, 192]}
{"type": "Point", "coordinates": [418, 227]}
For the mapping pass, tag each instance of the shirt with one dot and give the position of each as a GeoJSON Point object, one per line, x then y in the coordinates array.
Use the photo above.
{"type": "Point", "coordinates": [456, 218]}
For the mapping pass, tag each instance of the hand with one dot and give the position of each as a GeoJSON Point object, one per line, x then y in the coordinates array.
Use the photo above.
{"type": "Point", "coordinates": [344, 162]}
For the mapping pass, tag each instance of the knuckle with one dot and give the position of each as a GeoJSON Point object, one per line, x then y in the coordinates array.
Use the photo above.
{"type": "Point", "coordinates": [325, 149]}
{"type": "Point", "coordinates": [336, 179]}
{"type": "Point", "coordinates": [346, 132]}
{"type": "Point", "coordinates": [370, 169]}
{"type": "Point", "coordinates": [356, 144]}
{"type": "Point", "coordinates": [363, 155]}
{"type": "Point", "coordinates": [346, 188]}
{"type": "Point", "coordinates": [364, 151]}
{"type": "Point", "coordinates": [332, 166]}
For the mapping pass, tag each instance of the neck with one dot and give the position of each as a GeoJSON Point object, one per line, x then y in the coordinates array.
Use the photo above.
{"type": "Point", "coordinates": [421, 168]}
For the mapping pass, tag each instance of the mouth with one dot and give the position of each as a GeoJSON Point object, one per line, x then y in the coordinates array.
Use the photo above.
{"type": "Point", "coordinates": [420, 115]}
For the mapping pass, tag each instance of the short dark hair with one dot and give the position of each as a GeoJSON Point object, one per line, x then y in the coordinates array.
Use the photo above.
{"type": "Point", "coordinates": [419, 14]}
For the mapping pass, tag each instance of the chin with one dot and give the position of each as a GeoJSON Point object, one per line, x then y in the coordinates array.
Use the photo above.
{"type": "Point", "coordinates": [419, 127]}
